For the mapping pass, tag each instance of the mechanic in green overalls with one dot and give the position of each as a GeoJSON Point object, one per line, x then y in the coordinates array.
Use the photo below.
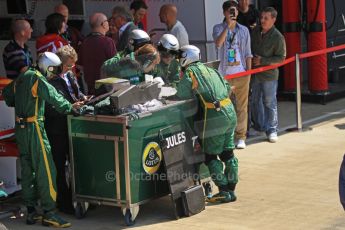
{"type": "Point", "coordinates": [168, 68]}
{"type": "Point", "coordinates": [218, 123]}
{"type": "Point", "coordinates": [28, 94]}
{"type": "Point", "coordinates": [137, 38]}
{"type": "Point", "coordinates": [145, 59]}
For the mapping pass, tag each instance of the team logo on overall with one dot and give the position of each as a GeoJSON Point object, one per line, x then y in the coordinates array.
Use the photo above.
{"type": "Point", "coordinates": [152, 157]}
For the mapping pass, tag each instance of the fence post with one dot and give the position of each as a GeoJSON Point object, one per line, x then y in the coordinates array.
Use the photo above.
{"type": "Point", "coordinates": [299, 125]}
{"type": "Point", "coordinates": [298, 94]}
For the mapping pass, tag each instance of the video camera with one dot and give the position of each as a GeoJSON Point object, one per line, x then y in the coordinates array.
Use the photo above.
{"type": "Point", "coordinates": [232, 12]}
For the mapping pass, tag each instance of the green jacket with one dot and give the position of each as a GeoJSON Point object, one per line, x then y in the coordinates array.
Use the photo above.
{"type": "Point", "coordinates": [29, 92]}
{"type": "Point", "coordinates": [272, 49]}
{"type": "Point", "coordinates": [110, 67]}
{"type": "Point", "coordinates": [210, 86]}
{"type": "Point", "coordinates": [170, 73]}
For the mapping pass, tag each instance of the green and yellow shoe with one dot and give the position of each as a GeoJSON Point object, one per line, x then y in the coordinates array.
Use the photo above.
{"type": "Point", "coordinates": [52, 219]}
{"type": "Point", "coordinates": [32, 218]}
{"type": "Point", "coordinates": [222, 197]}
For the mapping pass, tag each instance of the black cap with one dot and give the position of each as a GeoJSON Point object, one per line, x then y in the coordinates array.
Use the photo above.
{"type": "Point", "coordinates": [228, 4]}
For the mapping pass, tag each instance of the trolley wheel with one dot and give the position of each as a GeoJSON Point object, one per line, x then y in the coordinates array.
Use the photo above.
{"type": "Point", "coordinates": [18, 213]}
{"type": "Point", "coordinates": [128, 218]}
{"type": "Point", "coordinates": [80, 211]}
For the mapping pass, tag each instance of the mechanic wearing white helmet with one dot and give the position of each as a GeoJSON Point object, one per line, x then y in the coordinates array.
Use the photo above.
{"type": "Point", "coordinates": [28, 94]}
{"type": "Point", "coordinates": [219, 120]}
{"type": "Point", "coordinates": [137, 38]}
{"type": "Point", "coordinates": [169, 68]}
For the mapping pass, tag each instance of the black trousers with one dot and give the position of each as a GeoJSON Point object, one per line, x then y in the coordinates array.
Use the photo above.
{"type": "Point", "coordinates": [60, 149]}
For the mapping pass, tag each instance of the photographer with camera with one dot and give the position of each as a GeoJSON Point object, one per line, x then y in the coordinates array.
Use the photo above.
{"type": "Point", "coordinates": [233, 47]}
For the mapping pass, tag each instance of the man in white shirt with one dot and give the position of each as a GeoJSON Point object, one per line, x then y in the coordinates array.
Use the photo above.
{"type": "Point", "coordinates": [168, 15]}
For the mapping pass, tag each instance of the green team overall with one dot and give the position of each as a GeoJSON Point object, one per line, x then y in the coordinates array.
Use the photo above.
{"type": "Point", "coordinates": [137, 38]}
{"type": "Point", "coordinates": [170, 73]}
{"type": "Point", "coordinates": [219, 120]}
{"type": "Point", "coordinates": [28, 94]}
{"type": "Point", "coordinates": [169, 67]}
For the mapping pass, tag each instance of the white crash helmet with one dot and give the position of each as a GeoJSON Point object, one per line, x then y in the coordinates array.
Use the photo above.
{"type": "Point", "coordinates": [168, 42]}
{"type": "Point", "coordinates": [138, 38]}
{"type": "Point", "coordinates": [189, 54]}
{"type": "Point", "coordinates": [48, 63]}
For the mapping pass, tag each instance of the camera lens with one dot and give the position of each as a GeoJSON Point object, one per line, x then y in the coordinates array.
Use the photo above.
{"type": "Point", "coordinates": [232, 12]}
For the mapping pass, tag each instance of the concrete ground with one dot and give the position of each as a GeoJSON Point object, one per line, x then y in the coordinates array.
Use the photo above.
{"type": "Point", "coordinates": [292, 184]}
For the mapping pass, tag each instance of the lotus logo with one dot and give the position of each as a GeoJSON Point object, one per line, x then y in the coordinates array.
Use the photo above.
{"type": "Point", "coordinates": [152, 157]}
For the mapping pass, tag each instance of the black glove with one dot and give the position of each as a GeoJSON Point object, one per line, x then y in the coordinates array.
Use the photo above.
{"type": "Point", "coordinates": [173, 98]}
{"type": "Point", "coordinates": [75, 112]}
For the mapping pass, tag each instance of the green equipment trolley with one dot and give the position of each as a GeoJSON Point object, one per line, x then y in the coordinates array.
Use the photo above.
{"type": "Point", "coordinates": [112, 161]}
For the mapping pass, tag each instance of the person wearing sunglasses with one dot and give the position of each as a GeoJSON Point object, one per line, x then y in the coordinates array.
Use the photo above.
{"type": "Point", "coordinates": [95, 49]}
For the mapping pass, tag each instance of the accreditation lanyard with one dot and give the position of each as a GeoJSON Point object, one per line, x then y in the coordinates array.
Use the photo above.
{"type": "Point", "coordinates": [230, 38]}
{"type": "Point", "coordinates": [231, 50]}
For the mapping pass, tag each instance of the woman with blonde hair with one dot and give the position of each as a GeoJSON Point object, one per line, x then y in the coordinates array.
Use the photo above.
{"type": "Point", "coordinates": [56, 124]}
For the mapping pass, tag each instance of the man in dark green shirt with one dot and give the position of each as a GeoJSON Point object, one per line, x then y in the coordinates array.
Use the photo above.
{"type": "Point", "coordinates": [268, 47]}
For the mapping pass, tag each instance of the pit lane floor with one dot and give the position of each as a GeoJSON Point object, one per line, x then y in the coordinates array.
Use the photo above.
{"type": "Point", "coordinates": [292, 184]}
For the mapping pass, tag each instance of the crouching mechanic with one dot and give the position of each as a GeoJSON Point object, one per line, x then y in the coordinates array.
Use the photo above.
{"type": "Point", "coordinates": [219, 120]}
{"type": "Point", "coordinates": [28, 94]}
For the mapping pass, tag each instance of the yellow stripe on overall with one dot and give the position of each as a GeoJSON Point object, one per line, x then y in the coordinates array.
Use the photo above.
{"type": "Point", "coordinates": [207, 105]}
{"type": "Point", "coordinates": [46, 163]}
{"type": "Point", "coordinates": [195, 85]}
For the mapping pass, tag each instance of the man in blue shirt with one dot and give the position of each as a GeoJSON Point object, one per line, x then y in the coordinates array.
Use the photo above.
{"type": "Point", "coordinates": [233, 45]}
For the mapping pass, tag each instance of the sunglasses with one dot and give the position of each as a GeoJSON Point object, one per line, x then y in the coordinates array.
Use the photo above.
{"type": "Point", "coordinates": [70, 66]}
